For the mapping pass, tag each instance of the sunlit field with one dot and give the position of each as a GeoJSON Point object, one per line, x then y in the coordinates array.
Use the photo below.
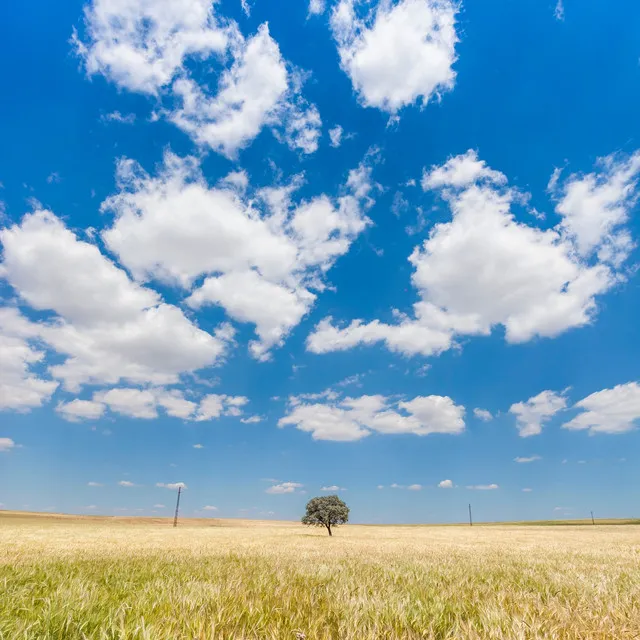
{"type": "Point", "coordinates": [112, 579]}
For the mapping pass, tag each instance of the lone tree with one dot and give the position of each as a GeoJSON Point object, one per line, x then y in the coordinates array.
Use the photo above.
{"type": "Point", "coordinates": [326, 511]}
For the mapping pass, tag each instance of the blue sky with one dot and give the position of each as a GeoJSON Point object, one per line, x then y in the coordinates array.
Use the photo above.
{"type": "Point", "coordinates": [275, 249]}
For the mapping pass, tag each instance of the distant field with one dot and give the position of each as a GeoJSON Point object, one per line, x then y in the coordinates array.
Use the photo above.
{"type": "Point", "coordinates": [74, 578]}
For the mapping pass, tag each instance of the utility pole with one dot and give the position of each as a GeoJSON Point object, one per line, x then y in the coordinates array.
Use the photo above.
{"type": "Point", "coordinates": [175, 519]}
{"type": "Point", "coordinates": [592, 520]}
{"type": "Point", "coordinates": [470, 519]}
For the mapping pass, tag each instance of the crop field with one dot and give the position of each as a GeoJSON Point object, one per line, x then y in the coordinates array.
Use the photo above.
{"type": "Point", "coordinates": [92, 578]}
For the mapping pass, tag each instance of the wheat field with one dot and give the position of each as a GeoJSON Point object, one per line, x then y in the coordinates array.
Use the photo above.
{"type": "Point", "coordinates": [92, 578]}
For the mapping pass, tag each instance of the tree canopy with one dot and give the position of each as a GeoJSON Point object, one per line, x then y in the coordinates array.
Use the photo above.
{"type": "Point", "coordinates": [326, 511]}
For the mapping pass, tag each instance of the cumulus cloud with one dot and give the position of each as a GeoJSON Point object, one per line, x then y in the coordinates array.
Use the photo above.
{"type": "Point", "coordinates": [445, 484]}
{"type": "Point", "coordinates": [485, 269]}
{"type": "Point", "coordinates": [106, 327]}
{"type": "Point", "coordinates": [615, 410]}
{"type": "Point", "coordinates": [524, 460]}
{"type": "Point", "coordinates": [414, 487]}
{"type": "Point", "coordinates": [482, 414]}
{"type": "Point", "coordinates": [483, 487]}
{"type": "Point", "coordinates": [6, 444]}
{"type": "Point", "coordinates": [284, 487]}
{"type": "Point", "coordinates": [258, 90]}
{"type": "Point", "coordinates": [261, 254]}
{"type": "Point", "coordinates": [333, 487]}
{"type": "Point", "coordinates": [251, 420]}
{"type": "Point", "coordinates": [536, 411]}
{"type": "Point", "coordinates": [348, 419]}
{"type": "Point", "coordinates": [142, 45]}
{"type": "Point", "coordinates": [335, 135]}
{"type": "Point", "coordinates": [397, 54]}
{"type": "Point", "coordinates": [126, 483]}
{"type": "Point", "coordinates": [171, 485]}
{"type": "Point", "coordinates": [214, 405]}
{"type": "Point", "coordinates": [77, 410]}
{"type": "Point", "coordinates": [316, 7]}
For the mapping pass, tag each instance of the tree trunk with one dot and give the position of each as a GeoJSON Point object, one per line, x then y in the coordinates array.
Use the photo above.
{"type": "Point", "coordinates": [329, 529]}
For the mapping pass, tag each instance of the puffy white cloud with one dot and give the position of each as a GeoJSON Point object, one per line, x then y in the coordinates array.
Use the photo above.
{"type": "Point", "coordinates": [316, 7]}
{"type": "Point", "coordinates": [484, 269]}
{"type": "Point", "coordinates": [335, 135]}
{"type": "Point", "coordinates": [215, 405]}
{"type": "Point", "coordinates": [135, 403]}
{"type": "Point", "coordinates": [482, 414]}
{"type": "Point", "coordinates": [615, 410]}
{"type": "Point", "coordinates": [198, 446]}
{"type": "Point", "coordinates": [414, 487]}
{"type": "Point", "coordinates": [126, 483]}
{"type": "Point", "coordinates": [171, 485]}
{"type": "Point", "coordinates": [95, 484]}
{"type": "Point", "coordinates": [445, 484]}
{"type": "Point", "coordinates": [258, 90]}
{"type": "Point", "coordinates": [20, 388]}
{"type": "Point", "coordinates": [251, 420]}
{"type": "Point", "coordinates": [108, 327]}
{"type": "Point", "coordinates": [397, 54]}
{"type": "Point", "coordinates": [333, 487]}
{"type": "Point", "coordinates": [483, 487]}
{"type": "Point", "coordinates": [209, 508]}
{"type": "Point", "coordinates": [594, 206]}
{"type": "Point", "coordinates": [524, 460]}
{"type": "Point", "coordinates": [6, 444]}
{"type": "Point", "coordinates": [140, 45]}
{"type": "Point", "coordinates": [284, 487]}
{"type": "Point", "coordinates": [175, 404]}
{"type": "Point", "coordinates": [350, 419]}
{"type": "Point", "coordinates": [262, 255]}
{"type": "Point", "coordinates": [532, 414]}
{"type": "Point", "coordinates": [77, 410]}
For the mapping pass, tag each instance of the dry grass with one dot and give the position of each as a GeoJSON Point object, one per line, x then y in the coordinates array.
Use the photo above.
{"type": "Point", "coordinates": [115, 579]}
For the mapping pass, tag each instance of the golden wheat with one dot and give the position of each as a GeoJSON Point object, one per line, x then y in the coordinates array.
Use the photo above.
{"type": "Point", "coordinates": [102, 580]}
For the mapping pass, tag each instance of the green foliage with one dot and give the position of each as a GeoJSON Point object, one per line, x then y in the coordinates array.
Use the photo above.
{"type": "Point", "coordinates": [326, 511]}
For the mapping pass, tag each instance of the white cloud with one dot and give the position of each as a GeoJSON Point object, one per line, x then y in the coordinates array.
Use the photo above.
{"type": "Point", "coordinates": [107, 327]}
{"type": "Point", "coordinates": [595, 206]}
{"type": "Point", "coordinates": [175, 404]}
{"type": "Point", "coordinates": [445, 484]}
{"type": "Point", "coordinates": [135, 403]}
{"type": "Point", "coordinates": [333, 487]}
{"type": "Point", "coordinates": [524, 460]}
{"type": "Point", "coordinates": [116, 116]}
{"type": "Point", "coordinates": [251, 420]}
{"type": "Point", "coordinates": [262, 255]}
{"type": "Point", "coordinates": [20, 388]}
{"type": "Point", "coordinates": [284, 487]}
{"type": "Point", "coordinates": [53, 178]}
{"type": "Point", "coordinates": [335, 135]}
{"type": "Point", "coordinates": [209, 508]}
{"type": "Point", "coordinates": [482, 414]}
{"type": "Point", "coordinates": [481, 270]}
{"type": "Point", "coordinates": [316, 7]}
{"type": "Point", "coordinates": [95, 484]}
{"type": "Point", "coordinates": [159, 506]}
{"type": "Point", "coordinates": [140, 45]}
{"type": "Point", "coordinates": [397, 54]}
{"type": "Point", "coordinates": [527, 490]}
{"type": "Point", "coordinates": [246, 7]}
{"type": "Point", "coordinates": [414, 487]}
{"type": "Point", "coordinates": [350, 419]}
{"type": "Point", "coordinates": [215, 405]}
{"type": "Point", "coordinates": [198, 446]}
{"type": "Point", "coordinates": [558, 12]}
{"type": "Point", "coordinates": [77, 410]}
{"type": "Point", "coordinates": [6, 444]}
{"type": "Point", "coordinates": [615, 410]}
{"type": "Point", "coordinates": [461, 171]}
{"type": "Point", "coordinates": [126, 483]}
{"type": "Point", "coordinates": [258, 90]}
{"type": "Point", "coordinates": [483, 487]}
{"type": "Point", "coordinates": [536, 411]}
{"type": "Point", "coordinates": [171, 485]}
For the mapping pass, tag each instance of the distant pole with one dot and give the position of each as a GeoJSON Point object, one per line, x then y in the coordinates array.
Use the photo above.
{"type": "Point", "coordinates": [175, 519]}
{"type": "Point", "coordinates": [592, 520]}
{"type": "Point", "coordinates": [470, 519]}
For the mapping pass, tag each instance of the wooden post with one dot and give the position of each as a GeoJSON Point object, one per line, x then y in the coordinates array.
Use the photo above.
{"type": "Point", "coordinates": [592, 520]}
{"type": "Point", "coordinates": [470, 519]}
{"type": "Point", "coordinates": [175, 518]}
